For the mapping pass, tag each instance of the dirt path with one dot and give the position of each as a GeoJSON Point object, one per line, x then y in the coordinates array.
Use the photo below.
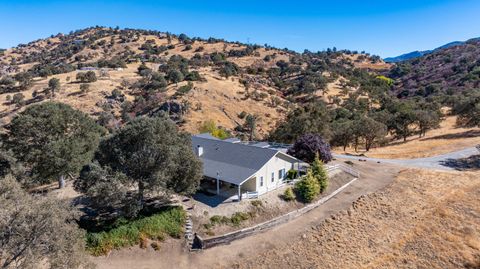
{"type": "Point", "coordinates": [374, 177]}
{"type": "Point", "coordinates": [436, 162]}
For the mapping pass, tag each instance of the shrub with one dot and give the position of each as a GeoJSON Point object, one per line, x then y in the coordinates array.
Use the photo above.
{"type": "Point", "coordinates": [84, 88]}
{"type": "Point", "coordinates": [257, 203]}
{"type": "Point", "coordinates": [288, 194]}
{"type": "Point", "coordinates": [238, 217]}
{"type": "Point", "coordinates": [86, 77]}
{"type": "Point", "coordinates": [307, 188]}
{"type": "Point", "coordinates": [155, 245]}
{"type": "Point", "coordinates": [319, 172]}
{"type": "Point", "coordinates": [185, 88]}
{"type": "Point", "coordinates": [216, 219]}
{"type": "Point", "coordinates": [242, 114]}
{"type": "Point", "coordinates": [169, 222]}
{"type": "Point", "coordinates": [292, 174]}
{"type": "Point", "coordinates": [210, 127]}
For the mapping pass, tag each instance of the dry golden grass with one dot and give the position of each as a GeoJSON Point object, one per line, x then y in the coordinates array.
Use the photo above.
{"type": "Point", "coordinates": [221, 100]}
{"type": "Point", "coordinates": [447, 138]}
{"type": "Point", "coordinates": [425, 219]}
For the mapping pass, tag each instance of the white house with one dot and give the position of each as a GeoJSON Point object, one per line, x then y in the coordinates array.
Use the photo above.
{"type": "Point", "coordinates": [231, 164]}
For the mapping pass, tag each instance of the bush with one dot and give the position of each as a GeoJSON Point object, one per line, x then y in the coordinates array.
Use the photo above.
{"type": "Point", "coordinates": [86, 77]}
{"type": "Point", "coordinates": [185, 89]}
{"type": "Point", "coordinates": [257, 203]}
{"type": "Point", "coordinates": [319, 172]}
{"type": "Point", "coordinates": [210, 127]}
{"type": "Point", "coordinates": [238, 217]}
{"type": "Point", "coordinates": [307, 188]}
{"type": "Point", "coordinates": [155, 246]}
{"type": "Point", "coordinates": [292, 174]}
{"type": "Point", "coordinates": [242, 114]}
{"type": "Point", "coordinates": [169, 222]}
{"type": "Point", "coordinates": [288, 194]}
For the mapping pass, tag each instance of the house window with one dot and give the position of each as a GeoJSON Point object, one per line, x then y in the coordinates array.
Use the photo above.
{"type": "Point", "coordinates": [261, 181]}
{"type": "Point", "coordinates": [273, 177]}
{"type": "Point", "coordinates": [281, 173]}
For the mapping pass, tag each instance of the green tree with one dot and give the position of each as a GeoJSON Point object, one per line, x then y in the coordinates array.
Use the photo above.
{"type": "Point", "coordinates": [342, 133]}
{"type": "Point", "coordinates": [53, 140]}
{"type": "Point", "coordinates": [37, 230]}
{"type": "Point", "coordinates": [313, 118]}
{"type": "Point", "coordinates": [18, 99]}
{"type": "Point", "coordinates": [175, 76]}
{"type": "Point", "coordinates": [154, 157]}
{"type": "Point", "coordinates": [403, 120]}
{"type": "Point", "coordinates": [210, 127]}
{"type": "Point", "coordinates": [370, 130]}
{"type": "Point", "coordinates": [84, 88]}
{"type": "Point", "coordinates": [53, 86]}
{"type": "Point", "coordinates": [319, 172]}
{"type": "Point", "coordinates": [426, 120]}
{"type": "Point", "coordinates": [307, 188]}
{"type": "Point", "coordinates": [251, 125]}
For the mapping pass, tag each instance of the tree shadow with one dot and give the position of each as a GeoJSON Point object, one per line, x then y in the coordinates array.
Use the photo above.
{"type": "Point", "coordinates": [466, 134]}
{"type": "Point", "coordinates": [77, 93]}
{"type": "Point", "coordinates": [96, 219]}
{"type": "Point", "coordinates": [471, 163]}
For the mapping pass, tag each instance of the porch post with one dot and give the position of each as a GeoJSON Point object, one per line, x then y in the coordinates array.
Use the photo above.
{"type": "Point", "coordinates": [218, 186]}
{"type": "Point", "coordinates": [239, 192]}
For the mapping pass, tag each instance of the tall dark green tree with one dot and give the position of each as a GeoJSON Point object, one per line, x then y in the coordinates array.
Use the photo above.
{"type": "Point", "coordinates": [53, 140]}
{"type": "Point", "coordinates": [154, 157]}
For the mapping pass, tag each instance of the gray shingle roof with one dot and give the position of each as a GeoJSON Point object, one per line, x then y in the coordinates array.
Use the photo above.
{"type": "Point", "coordinates": [234, 162]}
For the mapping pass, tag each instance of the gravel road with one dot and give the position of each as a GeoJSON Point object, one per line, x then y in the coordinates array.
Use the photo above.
{"type": "Point", "coordinates": [436, 162]}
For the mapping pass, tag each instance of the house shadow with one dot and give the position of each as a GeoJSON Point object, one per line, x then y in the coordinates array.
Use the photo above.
{"type": "Point", "coordinates": [210, 200]}
{"type": "Point", "coordinates": [466, 134]}
{"type": "Point", "coordinates": [471, 163]}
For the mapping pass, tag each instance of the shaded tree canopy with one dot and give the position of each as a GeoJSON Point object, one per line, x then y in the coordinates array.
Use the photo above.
{"type": "Point", "coordinates": [310, 145]}
{"type": "Point", "coordinates": [147, 156]}
{"type": "Point", "coordinates": [53, 140]}
{"type": "Point", "coordinates": [37, 229]}
{"type": "Point", "coordinates": [311, 118]}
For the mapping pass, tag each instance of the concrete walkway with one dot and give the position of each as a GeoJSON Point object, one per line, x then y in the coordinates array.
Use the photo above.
{"type": "Point", "coordinates": [436, 162]}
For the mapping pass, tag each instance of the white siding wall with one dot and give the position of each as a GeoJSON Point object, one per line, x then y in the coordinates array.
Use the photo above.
{"type": "Point", "coordinates": [273, 166]}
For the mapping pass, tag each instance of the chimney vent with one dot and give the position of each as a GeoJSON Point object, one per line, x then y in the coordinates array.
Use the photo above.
{"type": "Point", "coordinates": [199, 150]}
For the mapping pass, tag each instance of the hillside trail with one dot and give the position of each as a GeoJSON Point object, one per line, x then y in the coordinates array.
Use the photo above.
{"type": "Point", "coordinates": [440, 162]}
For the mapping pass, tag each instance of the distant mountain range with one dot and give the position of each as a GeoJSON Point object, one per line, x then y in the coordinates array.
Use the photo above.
{"type": "Point", "coordinates": [416, 54]}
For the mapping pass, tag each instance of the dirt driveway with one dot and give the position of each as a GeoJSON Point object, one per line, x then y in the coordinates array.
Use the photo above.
{"type": "Point", "coordinates": [172, 255]}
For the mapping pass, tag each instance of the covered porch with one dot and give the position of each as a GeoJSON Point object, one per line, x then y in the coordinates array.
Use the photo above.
{"type": "Point", "coordinates": [231, 191]}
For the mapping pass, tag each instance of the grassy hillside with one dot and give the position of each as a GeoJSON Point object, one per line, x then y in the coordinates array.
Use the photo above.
{"type": "Point", "coordinates": [222, 80]}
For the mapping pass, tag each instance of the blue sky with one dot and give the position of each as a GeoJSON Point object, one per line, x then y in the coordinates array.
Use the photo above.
{"type": "Point", "coordinates": [385, 28]}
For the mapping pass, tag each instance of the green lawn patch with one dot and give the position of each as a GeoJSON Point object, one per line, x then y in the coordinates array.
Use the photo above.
{"type": "Point", "coordinates": [156, 227]}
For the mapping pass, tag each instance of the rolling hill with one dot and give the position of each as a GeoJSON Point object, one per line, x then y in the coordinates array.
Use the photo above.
{"type": "Point", "coordinates": [220, 81]}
